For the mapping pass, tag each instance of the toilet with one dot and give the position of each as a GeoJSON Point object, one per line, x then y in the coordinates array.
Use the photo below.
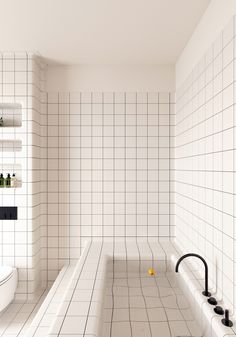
{"type": "Point", "coordinates": [8, 284]}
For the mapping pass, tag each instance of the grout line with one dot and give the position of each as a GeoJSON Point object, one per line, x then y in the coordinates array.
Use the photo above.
{"type": "Point", "coordinates": [136, 167]}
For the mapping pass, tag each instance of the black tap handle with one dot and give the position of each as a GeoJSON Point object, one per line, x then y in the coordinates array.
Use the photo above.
{"type": "Point", "coordinates": [227, 315]}
{"type": "Point", "coordinates": [226, 321]}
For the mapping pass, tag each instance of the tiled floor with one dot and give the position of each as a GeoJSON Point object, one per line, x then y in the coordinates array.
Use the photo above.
{"type": "Point", "coordinates": [139, 305]}
{"type": "Point", "coordinates": [17, 317]}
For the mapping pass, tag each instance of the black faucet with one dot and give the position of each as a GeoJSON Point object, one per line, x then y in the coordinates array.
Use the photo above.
{"type": "Point", "coordinates": [205, 292]}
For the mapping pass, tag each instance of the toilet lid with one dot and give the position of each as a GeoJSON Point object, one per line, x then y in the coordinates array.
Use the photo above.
{"type": "Point", "coordinates": [5, 272]}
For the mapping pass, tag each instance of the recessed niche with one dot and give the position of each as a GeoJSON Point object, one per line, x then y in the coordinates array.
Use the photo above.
{"type": "Point", "coordinates": [11, 114]}
{"type": "Point", "coordinates": [10, 145]}
{"type": "Point", "coordinates": [12, 168]}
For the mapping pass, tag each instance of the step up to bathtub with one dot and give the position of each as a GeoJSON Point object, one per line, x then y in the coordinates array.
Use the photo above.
{"type": "Point", "coordinates": [45, 317]}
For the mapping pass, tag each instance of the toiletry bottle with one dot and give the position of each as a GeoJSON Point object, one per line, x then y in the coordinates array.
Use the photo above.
{"type": "Point", "coordinates": [13, 180]}
{"type": "Point", "coordinates": [8, 180]}
{"type": "Point", "coordinates": [2, 181]}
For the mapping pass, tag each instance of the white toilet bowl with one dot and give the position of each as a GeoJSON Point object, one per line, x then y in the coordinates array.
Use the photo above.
{"type": "Point", "coordinates": [8, 284]}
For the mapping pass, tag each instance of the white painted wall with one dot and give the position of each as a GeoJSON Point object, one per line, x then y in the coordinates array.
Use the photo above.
{"type": "Point", "coordinates": [100, 32]}
{"type": "Point", "coordinates": [211, 24]}
{"type": "Point", "coordinates": [111, 78]}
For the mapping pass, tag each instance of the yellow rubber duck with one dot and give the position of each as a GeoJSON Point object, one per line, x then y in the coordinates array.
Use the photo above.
{"type": "Point", "coordinates": [151, 271]}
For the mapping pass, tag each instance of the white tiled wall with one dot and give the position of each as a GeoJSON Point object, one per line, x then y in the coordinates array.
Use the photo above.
{"type": "Point", "coordinates": [39, 175]}
{"type": "Point", "coordinates": [205, 163]}
{"type": "Point", "coordinates": [20, 240]}
{"type": "Point", "coordinates": [92, 165]}
{"type": "Point", "coordinates": [108, 169]}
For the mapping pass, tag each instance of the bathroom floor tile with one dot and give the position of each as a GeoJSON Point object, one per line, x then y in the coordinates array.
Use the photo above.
{"type": "Point", "coordinates": [120, 315]}
{"type": "Point", "coordinates": [107, 313]}
{"type": "Point", "coordinates": [120, 291]}
{"type": "Point", "coordinates": [135, 291]}
{"type": "Point", "coordinates": [179, 329]}
{"type": "Point", "coordinates": [160, 329]}
{"type": "Point", "coordinates": [121, 329]}
{"type": "Point", "coordinates": [170, 302]}
{"type": "Point", "coordinates": [138, 315]}
{"type": "Point", "coordinates": [150, 291]}
{"type": "Point", "coordinates": [174, 315]}
{"type": "Point", "coordinates": [182, 302]}
{"type": "Point", "coordinates": [187, 314]}
{"type": "Point", "coordinates": [193, 328]}
{"type": "Point", "coordinates": [16, 319]}
{"type": "Point", "coordinates": [106, 330]}
{"type": "Point", "coordinates": [166, 291]}
{"type": "Point", "coordinates": [121, 302]}
{"type": "Point", "coordinates": [156, 314]}
{"type": "Point", "coordinates": [140, 329]}
{"type": "Point", "coordinates": [153, 302]}
{"type": "Point", "coordinates": [136, 302]}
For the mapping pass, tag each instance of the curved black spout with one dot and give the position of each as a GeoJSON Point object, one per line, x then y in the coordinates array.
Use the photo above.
{"type": "Point", "coordinates": [205, 292]}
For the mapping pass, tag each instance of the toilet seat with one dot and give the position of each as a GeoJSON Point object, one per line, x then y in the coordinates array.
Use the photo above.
{"type": "Point", "coordinates": [8, 285]}
{"type": "Point", "coordinates": [5, 273]}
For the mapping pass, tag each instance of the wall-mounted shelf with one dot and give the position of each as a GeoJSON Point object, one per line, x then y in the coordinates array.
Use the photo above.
{"type": "Point", "coordinates": [11, 114]}
{"type": "Point", "coordinates": [9, 145]}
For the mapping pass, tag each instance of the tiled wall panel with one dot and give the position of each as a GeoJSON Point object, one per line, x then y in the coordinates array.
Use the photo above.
{"type": "Point", "coordinates": [205, 163]}
{"type": "Point", "coordinates": [108, 169]}
{"type": "Point", "coordinates": [39, 175]}
{"type": "Point", "coordinates": [20, 240]}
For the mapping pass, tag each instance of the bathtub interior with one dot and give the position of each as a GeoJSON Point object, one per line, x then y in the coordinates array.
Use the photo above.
{"type": "Point", "coordinates": [138, 304]}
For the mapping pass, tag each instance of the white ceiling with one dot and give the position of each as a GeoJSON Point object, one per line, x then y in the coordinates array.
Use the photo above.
{"type": "Point", "coordinates": [100, 31]}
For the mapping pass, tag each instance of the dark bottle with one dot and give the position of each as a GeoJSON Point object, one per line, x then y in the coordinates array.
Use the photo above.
{"type": "Point", "coordinates": [8, 180]}
{"type": "Point", "coordinates": [2, 181]}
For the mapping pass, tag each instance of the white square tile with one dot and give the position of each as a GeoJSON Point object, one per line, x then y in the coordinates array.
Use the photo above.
{"type": "Point", "coordinates": [141, 329]}
{"type": "Point", "coordinates": [121, 328]}
{"type": "Point", "coordinates": [74, 325]}
{"type": "Point", "coordinates": [161, 328]}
